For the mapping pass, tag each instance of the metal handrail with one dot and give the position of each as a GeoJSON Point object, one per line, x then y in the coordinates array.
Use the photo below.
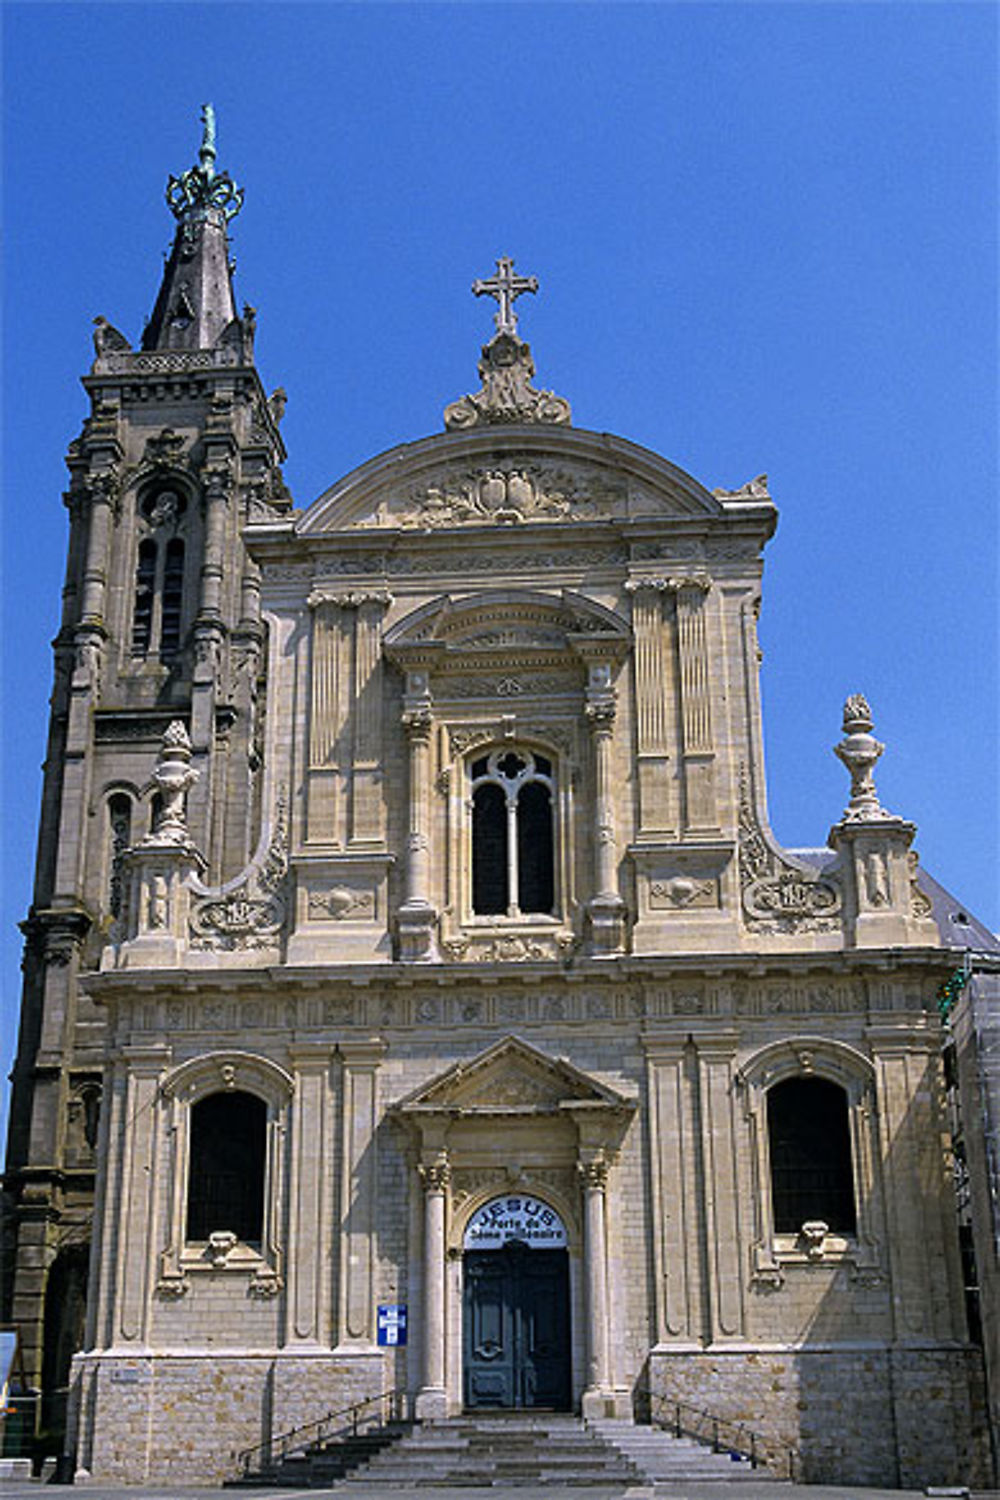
{"type": "Point", "coordinates": [744, 1441]}
{"type": "Point", "coordinates": [342, 1422]}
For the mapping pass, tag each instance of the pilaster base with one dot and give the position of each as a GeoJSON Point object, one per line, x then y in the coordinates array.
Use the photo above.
{"type": "Point", "coordinates": [600, 1404]}
{"type": "Point", "coordinates": [431, 1404]}
{"type": "Point", "coordinates": [416, 924]}
{"type": "Point", "coordinates": [607, 926]}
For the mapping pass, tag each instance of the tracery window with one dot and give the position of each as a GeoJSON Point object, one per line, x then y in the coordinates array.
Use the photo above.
{"type": "Point", "coordinates": [226, 1166]}
{"type": "Point", "coordinates": [812, 1179]}
{"type": "Point", "coordinates": [513, 834]}
{"type": "Point", "coordinates": [158, 600]}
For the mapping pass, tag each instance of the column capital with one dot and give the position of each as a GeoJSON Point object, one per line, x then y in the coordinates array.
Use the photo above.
{"type": "Point", "coordinates": [417, 721]}
{"type": "Point", "coordinates": [217, 479]}
{"type": "Point", "coordinates": [699, 582]}
{"type": "Point", "coordinates": [600, 715]}
{"type": "Point", "coordinates": [349, 598]}
{"type": "Point", "coordinates": [362, 1054]}
{"type": "Point", "coordinates": [636, 586]}
{"type": "Point", "coordinates": [435, 1175]}
{"type": "Point", "coordinates": [594, 1174]}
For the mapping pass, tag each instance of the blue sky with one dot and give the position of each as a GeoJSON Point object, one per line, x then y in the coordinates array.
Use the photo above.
{"type": "Point", "coordinates": [766, 236]}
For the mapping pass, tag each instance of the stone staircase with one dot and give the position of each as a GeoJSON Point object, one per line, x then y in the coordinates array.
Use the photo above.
{"type": "Point", "coordinates": [536, 1448]}
{"type": "Point", "coordinates": [658, 1455]}
{"type": "Point", "coordinates": [502, 1449]}
{"type": "Point", "coordinates": [515, 1448]}
{"type": "Point", "coordinates": [320, 1466]}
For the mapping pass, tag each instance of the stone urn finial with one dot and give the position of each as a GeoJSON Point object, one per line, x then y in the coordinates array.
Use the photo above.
{"type": "Point", "coordinates": [173, 777]}
{"type": "Point", "coordinates": [859, 750]}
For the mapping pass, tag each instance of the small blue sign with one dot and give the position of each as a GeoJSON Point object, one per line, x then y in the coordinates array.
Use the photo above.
{"type": "Point", "coordinates": [392, 1323]}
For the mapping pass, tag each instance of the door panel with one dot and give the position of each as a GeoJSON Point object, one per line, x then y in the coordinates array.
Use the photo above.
{"type": "Point", "coordinates": [489, 1332]}
{"type": "Point", "coordinates": [516, 1328]}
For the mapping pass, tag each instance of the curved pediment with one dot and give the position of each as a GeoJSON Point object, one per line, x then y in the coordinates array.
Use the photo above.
{"type": "Point", "coordinates": [514, 477]}
{"type": "Point", "coordinates": [504, 620]}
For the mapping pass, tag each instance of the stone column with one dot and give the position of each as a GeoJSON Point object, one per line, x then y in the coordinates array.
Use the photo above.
{"type": "Point", "coordinates": [673, 1189]}
{"type": "Point", "coordinates": [417, 916]}
{"type": "Point", "coordinates": [218, 486]}
{"type": "Point", "coordinates": [432, 1399]}
{"type": "Point", "coordinates": [724, 1271]}
{"type": "Point", "coordinates": [138, 1200]}
{"type": "Point", "coordinates": [367, 809]}
{"type": "Point", "coordinates": [325, 822]}
{"type": "Point", "coordinates": [359, 1188]}
{"type": "Point", "coordinates": [654, 694]}
{"type": "Point", "coordinates": [209, 637]}
{"type": "Point", "coordinates": [308, 1303]}
{"type": "Point", "coordinates": [606, 907]}
{"type": "Point", "coordinates": [594, 1176]}
{"type": "Point", "coordinates": [700, 812]}
{"type": "Point", "coordinates": [102, 489]}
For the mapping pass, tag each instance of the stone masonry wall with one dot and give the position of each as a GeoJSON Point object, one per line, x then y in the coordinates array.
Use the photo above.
{"type": "Point", "coordinates": [185, 1419]}
{"type": "Point", "coordinates": [853, 1415]}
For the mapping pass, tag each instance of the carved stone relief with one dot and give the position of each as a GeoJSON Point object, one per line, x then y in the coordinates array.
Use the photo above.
{"type": "Point", "coordinates": [251, 915]}
{"type": "Point", "coordinates": [505, 497]}
{"type": "Point", "coordinates": [776, 896]}
{"type": "Point", "coordinates": [682, 892]}
{"type": "Point", "coordinates": [341, 903]}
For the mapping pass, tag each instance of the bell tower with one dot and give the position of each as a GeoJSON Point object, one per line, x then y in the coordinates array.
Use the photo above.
{"type": "Point", "coordinates": [160, 622]}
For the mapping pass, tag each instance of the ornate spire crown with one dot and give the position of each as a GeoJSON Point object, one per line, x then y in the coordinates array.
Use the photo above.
{"type": "Point", "coordinates": [506, 367]}
{"type": "Point", "coordinates": [201, 189]}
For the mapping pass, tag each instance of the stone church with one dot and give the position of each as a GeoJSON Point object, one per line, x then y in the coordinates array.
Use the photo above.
{"type": "Point", "coordinates": [416, 998]}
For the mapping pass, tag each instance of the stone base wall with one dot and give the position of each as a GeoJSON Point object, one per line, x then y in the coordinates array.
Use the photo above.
{"type": "Point", "coordinates": [853, 1415]}
{"type": "Point", "coordinates": [185, 1419]}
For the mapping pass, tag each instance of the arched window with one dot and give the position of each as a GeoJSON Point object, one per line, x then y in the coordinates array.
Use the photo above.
{"type": "Point", "coordinates": [226, 1166]}
{"type": "Point", "coordinates": [513, 834]}
{"type": "Point", "coordinates": [810, 1150]}
{"type": "Point", "coordinates": [119, 839]}
{"type": "Point", "coordinates": [158, 607]}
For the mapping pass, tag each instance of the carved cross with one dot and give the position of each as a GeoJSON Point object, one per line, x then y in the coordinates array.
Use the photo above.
{"type": "Point", "coordinates": [505, 287]}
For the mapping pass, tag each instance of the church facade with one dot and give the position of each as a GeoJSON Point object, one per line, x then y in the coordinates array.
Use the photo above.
{"type": "Point", "coordinates": [417, 1000]}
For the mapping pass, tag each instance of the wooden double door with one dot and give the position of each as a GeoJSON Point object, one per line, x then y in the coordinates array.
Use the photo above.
{"type": "Point", "coordinates": [516, 1328]}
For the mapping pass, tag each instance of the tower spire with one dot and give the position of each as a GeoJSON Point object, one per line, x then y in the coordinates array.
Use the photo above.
{"type": "Point", "coordinates": [195, 303]}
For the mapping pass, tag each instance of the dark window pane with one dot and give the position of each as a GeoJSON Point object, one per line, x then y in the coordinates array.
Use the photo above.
{"type": "Point", "coordinates": [535, 874]}
{"type": "Point", "coordinates": [489, 851]}
{"type": "Point", "coordinates": [543, 766]}
{"type": "Point", "coordinates": [173, 598]}
{"type": "Point", "coordinates": [145, 583]}
{"type": "Point", "coordinates": [479, 767]}
{"type": "Point", "coordinates": [226, 1170]}
{"type": "Point", "coordinates": [811, 1176]}
{"type": "Point", "coordinates": [511, 765]}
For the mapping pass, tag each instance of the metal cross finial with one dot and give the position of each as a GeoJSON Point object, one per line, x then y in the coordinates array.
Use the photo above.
{"type": "Point", "coordinates": [505, 287]}
{"type": "Point", "coordinates": [207, 153]}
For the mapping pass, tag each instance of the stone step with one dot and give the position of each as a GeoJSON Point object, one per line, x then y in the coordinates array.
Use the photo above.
{"type": "Point", "coordinates": [510, 1450]}
{"type": "Point", "coordinates": [659, 1455]}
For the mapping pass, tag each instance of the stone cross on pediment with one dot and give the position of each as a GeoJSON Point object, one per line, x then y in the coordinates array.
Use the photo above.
{"type": "Point", "coordinates": [505, 286]}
